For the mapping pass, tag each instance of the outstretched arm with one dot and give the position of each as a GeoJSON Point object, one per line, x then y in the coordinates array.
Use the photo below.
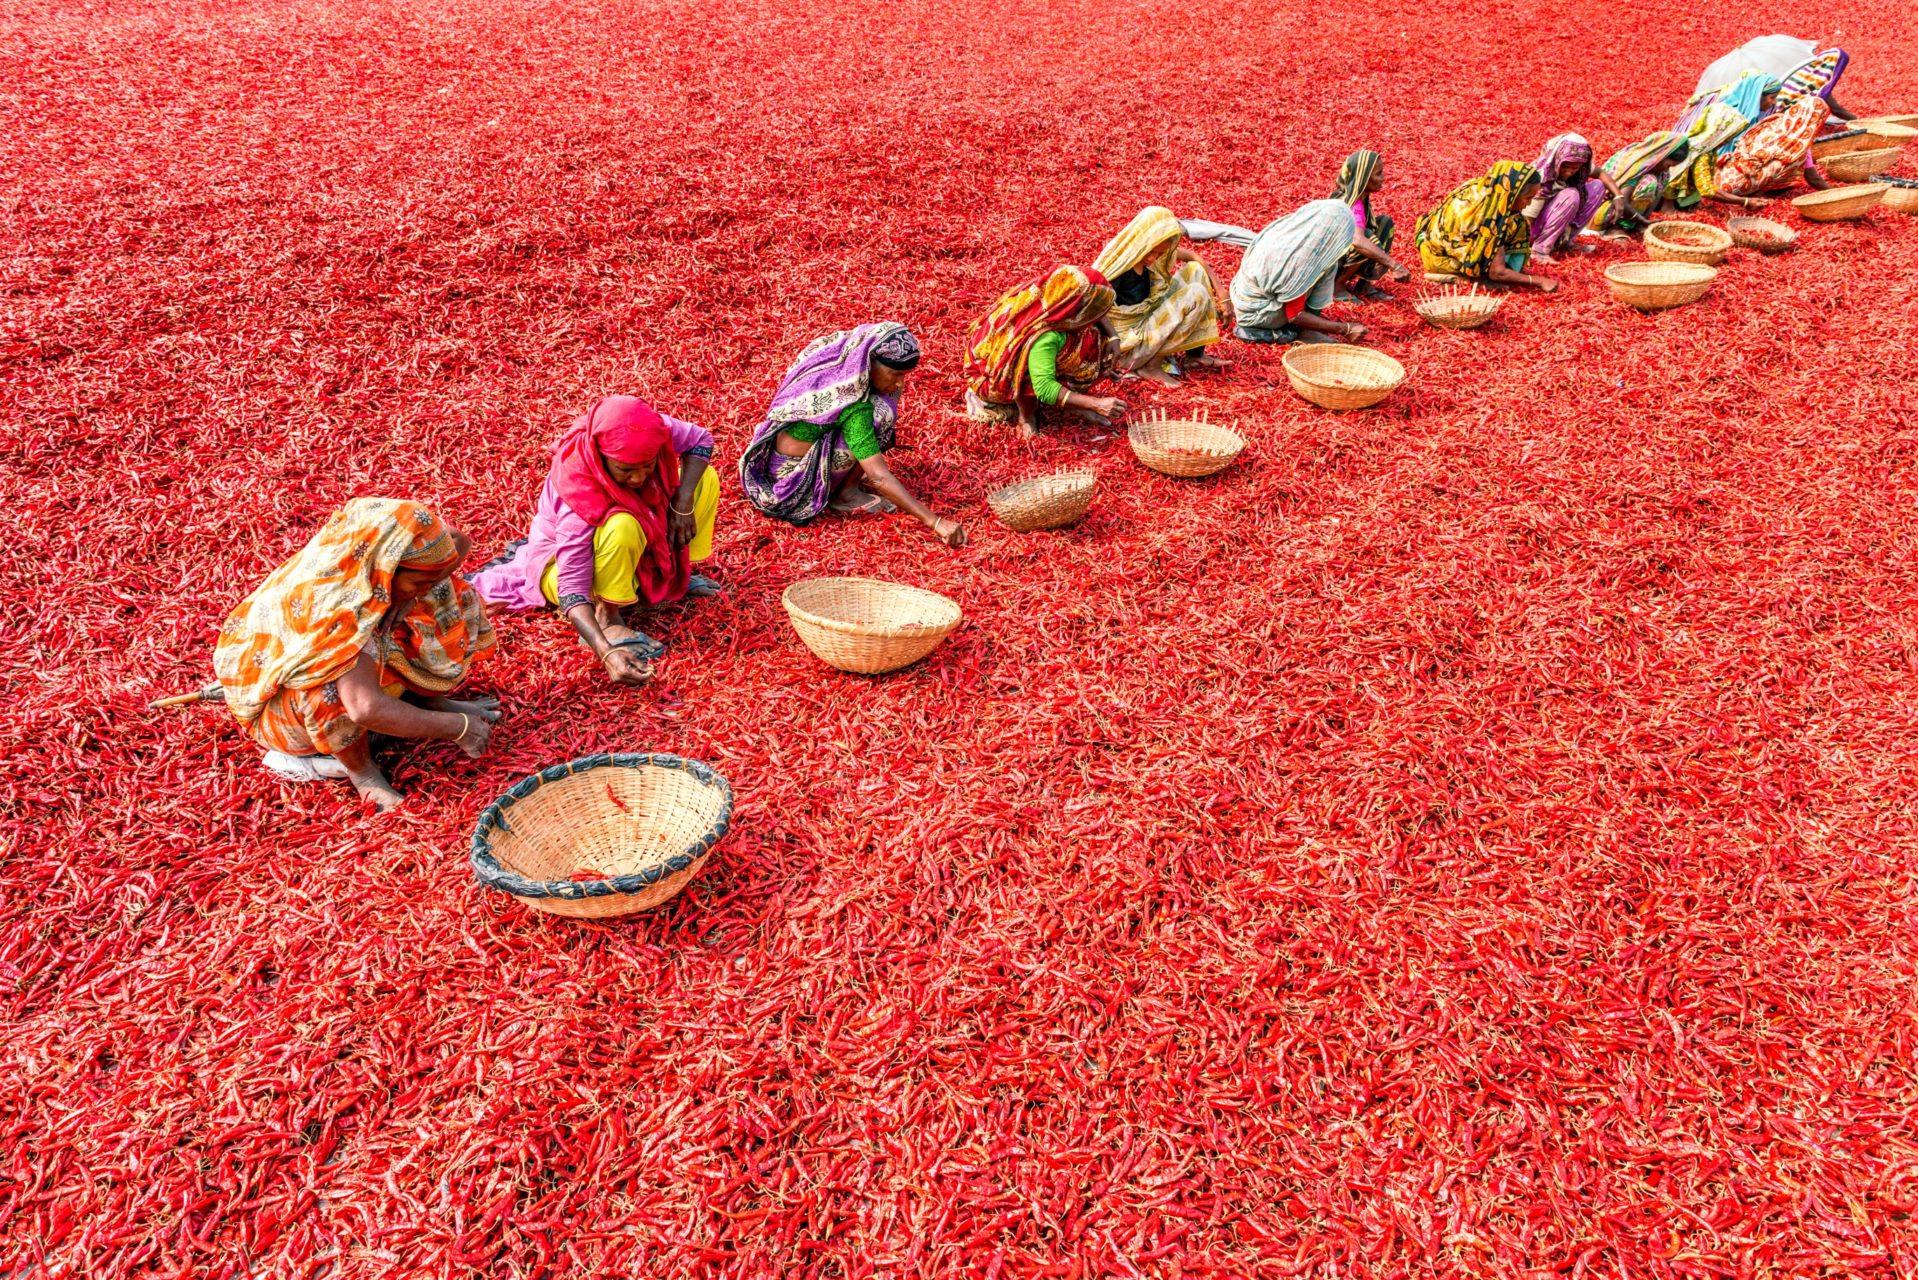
{"type": "Point", "coordinates": [888, 486]}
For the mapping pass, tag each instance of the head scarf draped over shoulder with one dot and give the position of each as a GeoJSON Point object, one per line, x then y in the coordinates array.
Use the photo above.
{"type": "Point", "coordinates": [628, 431]}
{"type": "Point", "coordinates": [1767, 152]}
{"type": "Point", "coordinates": [1558, 152]}
{"type": "Point", "coordinates": [1628, 164]}
{"type": "Point", "coordinates": [1150, 240]}
{"type": "Point", "coordinates": [1481, 220]}
{"type": "Point", "coordinates": [1290, 256]}
{"type": "Point", "coordinates": [308, 623]}
{"type": "Point", "coordinates": [1069, 300]}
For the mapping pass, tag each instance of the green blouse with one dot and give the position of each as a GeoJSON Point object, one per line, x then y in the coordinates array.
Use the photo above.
{"type": "Point", "coordinates": [1042, 367]}
{"type": "Point", "coordinates": [855, 420]}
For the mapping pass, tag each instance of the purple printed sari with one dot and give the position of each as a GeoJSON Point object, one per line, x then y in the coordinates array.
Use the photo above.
{"type": "Point", "coordinates": [832, 373]}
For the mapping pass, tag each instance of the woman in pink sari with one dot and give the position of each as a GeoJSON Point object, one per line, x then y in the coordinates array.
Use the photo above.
{"type": "Point", "coordinates": [629, 503]}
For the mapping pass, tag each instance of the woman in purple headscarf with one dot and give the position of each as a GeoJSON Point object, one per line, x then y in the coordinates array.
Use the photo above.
{"type": "Point", "coordinates": [1568, 195]}
{"type": "Point", "coordinates": [830, 424]}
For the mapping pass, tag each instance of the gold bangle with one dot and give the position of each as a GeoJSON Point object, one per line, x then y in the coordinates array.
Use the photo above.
{"type": "Point", "coordinates": [676, 511]}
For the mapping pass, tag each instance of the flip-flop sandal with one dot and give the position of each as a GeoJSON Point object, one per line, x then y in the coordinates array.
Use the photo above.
{"type": "Point", "coordinates": [701, 587]}
{"type": "Point", "coordinates": [1443, 277]}
{"type": "Point", "coordinates": [643, 645]}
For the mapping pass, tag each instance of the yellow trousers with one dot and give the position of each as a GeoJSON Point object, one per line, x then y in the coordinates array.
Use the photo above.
{"type": "Point", "coordinates": [618, 544]}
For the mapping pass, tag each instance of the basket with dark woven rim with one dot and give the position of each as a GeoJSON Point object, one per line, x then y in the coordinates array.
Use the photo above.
{"type": "Point", "coordinates": [1862, 166]}
{"type": "Point", "coordinates": [1901, 194]}
{"type": "Point", "coordinates": [1838, 144]}
{"type": "Point", "coordinates": [603, 835]}
{"type": "Point", "coordinates": [1043, 502]}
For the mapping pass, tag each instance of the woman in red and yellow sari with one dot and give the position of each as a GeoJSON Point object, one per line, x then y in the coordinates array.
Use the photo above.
{"type": "Point", "coordinates": [366, 630]}
{"type": "Point", "coordinates": [1776, 151]}
{"type": "Point", "coordinates": [1041, 344]}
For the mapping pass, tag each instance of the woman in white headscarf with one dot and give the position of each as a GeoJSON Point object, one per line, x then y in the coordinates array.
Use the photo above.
{"type": "Point", "coordinates": [1286, 281]}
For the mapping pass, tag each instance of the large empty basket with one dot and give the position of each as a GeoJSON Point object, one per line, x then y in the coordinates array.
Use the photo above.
{"type": "Point", "coordinates": [867, 626]}
{"type": "Point", "coordinates": [602, 835]}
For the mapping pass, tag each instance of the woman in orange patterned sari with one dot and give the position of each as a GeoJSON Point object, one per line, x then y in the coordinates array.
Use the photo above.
{"type": "Point", "coordinates": [365, 630]}
{"type": "Point", "coordinates": [1041, 344]}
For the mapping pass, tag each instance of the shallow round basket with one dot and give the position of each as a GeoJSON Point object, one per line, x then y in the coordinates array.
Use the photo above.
{"type": "Point", "coordinates": [602, 835]}
{"type": "Point", "coordinates": [1459, 310]}
{"type": "Point", "coordinates": [1761, 234]}
{"type": "Point", "coordinates": [1858, 166]}
{"type": "Point", "coordinates": [1901, 195]}
{"type": "Point", "coordinates": [1043, 502]}
{"type": "Point", "coordinates": [1659, 286]}
{"type": "Point", "coordinates": [1891, 126]}
{"type": "Point", "coordinates": [1696, 242]}
{"type": "Point", "coordinates": [1185, 447]}
{"type": "Point", "coordinates": [1840, 204]}
{"type": "Point", "coordinates": [1839, 144]}
{"type": "Point", "coordinates": [1335, 376]}
{"type": "Point", "coordinates": [867, 626]}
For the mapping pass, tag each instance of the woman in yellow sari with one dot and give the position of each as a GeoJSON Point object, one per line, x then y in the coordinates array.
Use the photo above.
{"type": "Point", "coordinates": [1166, 303]}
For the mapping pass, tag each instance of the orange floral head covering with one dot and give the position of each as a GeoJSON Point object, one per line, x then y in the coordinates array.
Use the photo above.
{"type": "Point", "coordinates": [308, 623]}
{"type": "Point", "coordinates": [997, 345]}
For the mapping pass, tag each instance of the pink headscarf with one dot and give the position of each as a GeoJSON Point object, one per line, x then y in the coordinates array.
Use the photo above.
{"type": "Point", "coordinates": [628, 431]}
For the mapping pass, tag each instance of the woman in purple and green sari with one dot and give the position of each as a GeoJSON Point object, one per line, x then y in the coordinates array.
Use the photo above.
{"type": "Point", "coordinates": [830, 425]}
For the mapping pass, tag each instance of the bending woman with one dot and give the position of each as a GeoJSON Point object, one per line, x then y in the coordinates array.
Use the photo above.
{"type": "Point", "coordinates": [830, 424]}
{"type": "Point", "coordinates": [1479, 232]}
{"type": "Point", "coordinates": [1775, 152]}
{"type": "Point", "coordinates": [1696, 181]}
{"type": "Point", "coordinates": [1361, 177]}
{"type": "Point", "coordinates": [1041, 344]}
{"type": "Point", "coordinates": [1639, 175]}
{"type": "Point", "coordinates": [1163, 299]}
{"type": "Point", "coordinates": [629, 503]}
{"type": "Point", "coordinates": [1568, 195]}
{"type": "Point", "coordinates": [1288, 277]}
{"type": "Point", "coordinates": [365, 631]}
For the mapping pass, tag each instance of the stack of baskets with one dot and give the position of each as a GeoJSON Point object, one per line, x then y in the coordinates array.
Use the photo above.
{"type": "Point", "coordinates": [1335, 376]}
{"type": "Point", "coordinates": [1694, 242]}
{"type": "Point", "coordinates": [1659, 286]}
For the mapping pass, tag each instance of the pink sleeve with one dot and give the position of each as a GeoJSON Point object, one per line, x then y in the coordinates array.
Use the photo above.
{"type": "Point", "coordinates": [689, 437]}
{"type": "Point", "coordinates": [572, 555]}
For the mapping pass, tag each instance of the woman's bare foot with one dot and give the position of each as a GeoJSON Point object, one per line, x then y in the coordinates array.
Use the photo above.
{"type": "Point", "coordinates": [1151, 372]}
{"type": "Point", "coordinates": [853, 500]}
{"type": "Point", "coordinates": [1206, 361]}
{"type": "Point", "coordinates": [367, 778]}
{"type": "Point", "coordinates": [1028, 428]}
{"type": "Point", "coordinates": [1087, 415]}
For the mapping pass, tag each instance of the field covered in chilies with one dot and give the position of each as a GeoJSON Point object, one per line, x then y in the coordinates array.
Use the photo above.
{"type": "Point", "coordinates": [1474, 837]}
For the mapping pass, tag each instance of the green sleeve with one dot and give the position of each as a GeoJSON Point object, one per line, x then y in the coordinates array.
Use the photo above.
{"type": "Point", "coordinates": [856, 421]}
{"type": "Point", "coordinates": [1042, 366]}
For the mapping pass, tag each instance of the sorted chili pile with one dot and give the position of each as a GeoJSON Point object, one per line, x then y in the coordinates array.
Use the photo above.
{"type": "Point", "coordinates": [1473, 837]}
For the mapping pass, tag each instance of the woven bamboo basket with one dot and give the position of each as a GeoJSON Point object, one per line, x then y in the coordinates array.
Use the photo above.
{"type": "Point", "coordinates": [1901, 194]}
{"type": "Point", "coordinates": [1840, 204]}
{"type": "Point", "coordinates": [1459, 310]}
{"type": "Point", "coordinates": [1043, 502]}
{"type": "Point", "coordinates": [1335, 376]}
{"type": "Point", "coordinates": [1861, 166]}
{"type": "Point", "coordinates": [1659, 286]}
{"type": "Point", "coordinates": [1761, 234]}
{"type": "Point", "coordinates": [1185, 447]}
{"type": "Point", "coordinates": [1881, 124]}
{"type": "Point", "coordinates": [1696, 242]}
{"type": "Point", "coordinates": [603, 835]}
{"type": "Point", "coordinates": [867, 626]}
{"type": "Point", "coordinates": [1839, 144]}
